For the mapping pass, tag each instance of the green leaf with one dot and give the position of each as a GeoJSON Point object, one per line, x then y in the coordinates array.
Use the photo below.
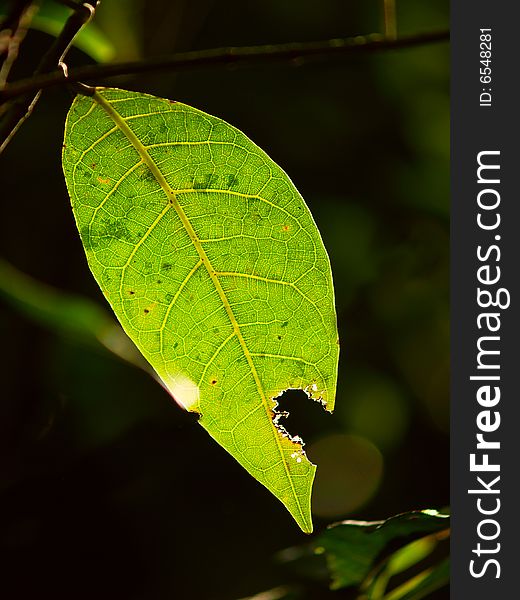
{"type": "Point", "coordinates": [351, 547]}
{"type": "Point", "coordinates": [423, 584]}
{"type": "Point", "coordinates": [411, 554]}
{"type": "Point", "coordinates": [214, 266]}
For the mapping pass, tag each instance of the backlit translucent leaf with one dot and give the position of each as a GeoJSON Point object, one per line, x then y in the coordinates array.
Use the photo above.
{"type": "Point", "coordinates": [213, 264]}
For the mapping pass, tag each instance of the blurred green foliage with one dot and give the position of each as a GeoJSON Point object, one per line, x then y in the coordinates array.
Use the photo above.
{"type": "Point", "coordinates": [50, 17]}
{"type": "Point", "coordinates": [351, 548]}
{"type": "Point", "coordinates": [109, 490]}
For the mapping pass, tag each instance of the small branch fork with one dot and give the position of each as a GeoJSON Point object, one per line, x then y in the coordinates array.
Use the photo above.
{"type": "Point", "coordinates": [14, 114]}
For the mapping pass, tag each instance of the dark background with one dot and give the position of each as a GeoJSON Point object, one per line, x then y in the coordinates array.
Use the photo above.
{"type": "Point", "coordinates": [107, 488]}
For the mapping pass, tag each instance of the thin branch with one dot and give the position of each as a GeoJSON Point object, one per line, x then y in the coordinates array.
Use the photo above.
{"type": "Point", "coordinates": [296, 53]}
{"type": "Point", "coordinates": [12, 31]}
{"type": "Point", "coordinates": [56, 53]}
{"type": "Point", "coordinates": [15, 113]}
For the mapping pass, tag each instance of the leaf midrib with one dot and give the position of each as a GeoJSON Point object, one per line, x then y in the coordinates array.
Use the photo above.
{"type": "Point", "coordinates": [172, 198]}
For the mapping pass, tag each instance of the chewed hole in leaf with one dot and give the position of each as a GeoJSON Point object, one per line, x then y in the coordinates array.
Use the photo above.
{"type": "Point", "coordinates": [299, 416]}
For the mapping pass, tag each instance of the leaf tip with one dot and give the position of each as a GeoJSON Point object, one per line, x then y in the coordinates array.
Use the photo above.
{"type": "Point", "coordinates": [307, 527]}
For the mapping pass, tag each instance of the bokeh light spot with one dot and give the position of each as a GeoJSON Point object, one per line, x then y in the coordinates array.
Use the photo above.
{"type": "Point", "coordinates": [349, 472]}
{"type": "Point", "coordinates": [378, 410]}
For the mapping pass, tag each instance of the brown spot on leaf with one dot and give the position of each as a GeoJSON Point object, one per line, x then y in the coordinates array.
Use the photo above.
{"type": "Point", "coordinates": [213, 382]}
{"type": "Point", "coordinates": [285, 228]}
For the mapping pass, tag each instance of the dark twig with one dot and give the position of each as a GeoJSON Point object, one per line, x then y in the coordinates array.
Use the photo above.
{"type": "Point", "coordinates": [13, 16]}
{"type": "Point", "coordinates": [222, 57]}
{"type": "Point", "coordinates": [16, 112]}
{"type": "Point", "coordinates": [56, 53]}
{"type": "Point", "coordinates": [12, 32]}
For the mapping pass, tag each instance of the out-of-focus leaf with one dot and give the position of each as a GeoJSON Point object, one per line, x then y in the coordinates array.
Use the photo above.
{"type": "Point", "coordinates": [215, 268]}
{"type": "Point", "coordinates": [376, 584]}
{"type": "Point", "coordinates": [351, 547]}
{"type": "Point", "coordinates": [125, 23]}
{"type": "Point", "coordinates": [303, 562]}
{"type": "Point", "coordinates": [66, 314]}
{"type": "Point", "coordinates": [422, 584]}
{"type": "Point", "coordinates": [410, 555]}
